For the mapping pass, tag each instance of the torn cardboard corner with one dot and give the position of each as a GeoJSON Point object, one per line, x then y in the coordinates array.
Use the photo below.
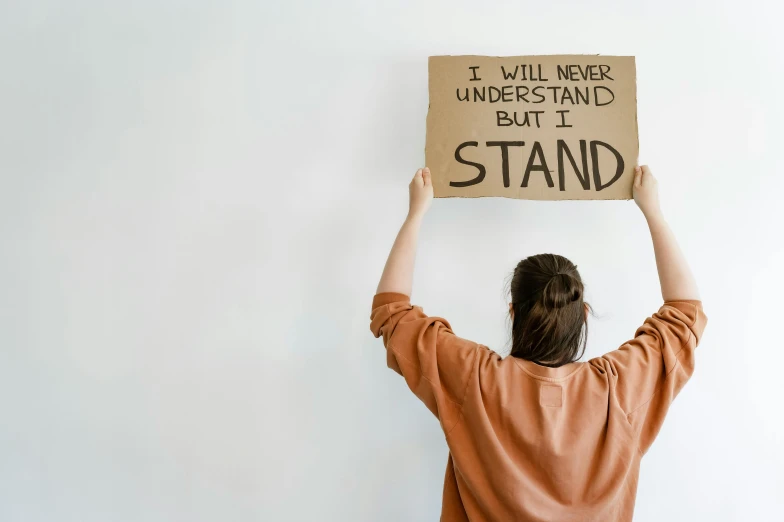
{"type": "Point", "coordinates": [532, 127]}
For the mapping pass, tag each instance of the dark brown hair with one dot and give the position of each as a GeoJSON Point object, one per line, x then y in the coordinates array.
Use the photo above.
{"type": "Point", "coordinates": [549, 326]}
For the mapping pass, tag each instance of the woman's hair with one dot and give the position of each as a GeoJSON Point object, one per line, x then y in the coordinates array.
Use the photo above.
{"type": "Point", "coordinates": [549, 326]}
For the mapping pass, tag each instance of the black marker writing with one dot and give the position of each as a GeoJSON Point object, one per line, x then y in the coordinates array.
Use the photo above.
{"type": "Point", "coordinates": [563, 119]}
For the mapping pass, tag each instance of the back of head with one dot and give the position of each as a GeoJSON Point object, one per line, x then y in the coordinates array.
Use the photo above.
{"type": "Point", "coordinates": [549, 321]}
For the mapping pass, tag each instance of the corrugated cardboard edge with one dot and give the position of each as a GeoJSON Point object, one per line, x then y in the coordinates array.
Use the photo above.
{"type": "Point", "coordinates": [636, 115]}
{"type": "Point", "coordinates": [532, 199]}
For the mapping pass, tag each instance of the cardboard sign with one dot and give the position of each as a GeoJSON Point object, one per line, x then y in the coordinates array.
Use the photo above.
{"type": "Point", "coordinates": [532, 127]}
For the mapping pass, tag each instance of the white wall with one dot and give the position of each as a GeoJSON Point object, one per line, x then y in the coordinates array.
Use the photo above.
{"type": "Point", "coordinates": [197, 200]}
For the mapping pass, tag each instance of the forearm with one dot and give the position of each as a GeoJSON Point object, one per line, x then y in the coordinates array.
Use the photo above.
{"type": "Point", "coordinates": [398, 273]}
{"type": "Point", "coordinates": [675, 277]}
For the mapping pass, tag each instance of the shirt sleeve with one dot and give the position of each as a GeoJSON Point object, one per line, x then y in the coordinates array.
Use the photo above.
{"type": "Point", "coordinates": [649, 371]}
{"type": "Point", "coordinates": [435, 363]}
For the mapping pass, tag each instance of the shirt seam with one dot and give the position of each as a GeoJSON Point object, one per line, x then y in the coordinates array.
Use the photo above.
{"type": "Point", "coordinates": [465, 392]}
{"type": "Point", "coordinates": [543, 378]}
{"type": "Point", "coordinates": [674, 366]}
{"type": "Point", "coordinates": [677, 362]}
{"type": "Point", "coordinates": [421, 374]}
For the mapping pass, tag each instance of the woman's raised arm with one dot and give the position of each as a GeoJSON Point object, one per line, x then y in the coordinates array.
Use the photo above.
{"type": "Point", "coordinates": [675, 277]}
{"type": "Point", "coordinates": [398, 273]}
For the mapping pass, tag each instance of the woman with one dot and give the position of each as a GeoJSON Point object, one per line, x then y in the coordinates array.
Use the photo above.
{"type": "Point", "coordinates": [538, 436]}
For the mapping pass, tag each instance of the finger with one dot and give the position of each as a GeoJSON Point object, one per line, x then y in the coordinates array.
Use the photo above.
{"type": "Point", "coordinates": [637, 176]}
{"type": "Point", "coordinates": [426, 176]}
{"type": "Point", "coordinates": [646, 171]}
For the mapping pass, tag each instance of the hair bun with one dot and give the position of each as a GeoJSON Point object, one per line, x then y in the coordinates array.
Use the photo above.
{"type": "Point", "coordinates": [561, 290]}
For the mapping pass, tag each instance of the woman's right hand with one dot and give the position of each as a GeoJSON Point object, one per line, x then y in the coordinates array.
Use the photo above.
{"type": "Point", "coordinates": [646, 191]}
{"type": "Point", "coordinates": [420, 193]}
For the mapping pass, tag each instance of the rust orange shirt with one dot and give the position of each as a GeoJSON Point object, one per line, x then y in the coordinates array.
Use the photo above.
{"type": "Point", "coordinates": [533, 443]}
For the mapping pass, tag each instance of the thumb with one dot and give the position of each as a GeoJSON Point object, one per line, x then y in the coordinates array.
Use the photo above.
{"type": "Point", "coordinates": [418, 181]}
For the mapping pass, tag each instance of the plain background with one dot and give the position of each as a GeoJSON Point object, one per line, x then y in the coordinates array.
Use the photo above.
{"type": "Point", "coordinates": [197, 200]}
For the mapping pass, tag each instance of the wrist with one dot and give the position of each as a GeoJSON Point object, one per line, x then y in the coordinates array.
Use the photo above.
{"type": "Point", "coordinates": [415, 216]}
{"type": "Point", "coordinates": [654, 216]}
